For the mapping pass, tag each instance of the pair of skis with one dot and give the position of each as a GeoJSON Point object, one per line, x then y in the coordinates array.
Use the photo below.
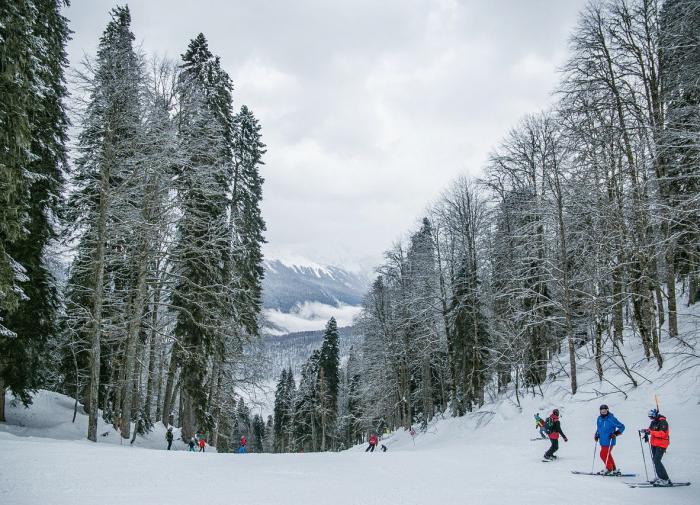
{"type": "Point", "coordinates": [604, 474]}
{"type": "Point", "coordinates": [652, 484]}
{"type": "Point", "coordinates": [634, 484]}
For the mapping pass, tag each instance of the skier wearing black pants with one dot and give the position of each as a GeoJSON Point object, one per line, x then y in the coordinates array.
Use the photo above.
{"type": "Point", "coordinates": [658, 430]}
{"type": "Point", "coordinates": [169, 437]}
{"type": "Point", "coordinates": [553, 427]}
{"type": "Point", "coordinates": [373, 440]}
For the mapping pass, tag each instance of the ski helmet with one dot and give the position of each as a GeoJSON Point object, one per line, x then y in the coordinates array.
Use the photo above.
{"type": "Point", "coordinates": [604, 407]}
{"type": "Point", "coordinates": [555, 412]}
{"type": "Point", "coordinates": [653, 414]}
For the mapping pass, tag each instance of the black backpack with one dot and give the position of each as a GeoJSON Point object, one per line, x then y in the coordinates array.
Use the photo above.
{"type": "Point", "coordinates": [549, 425]}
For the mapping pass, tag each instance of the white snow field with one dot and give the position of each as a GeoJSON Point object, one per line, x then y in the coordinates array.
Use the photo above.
{"type": "Point", "coordinates": [486, 458]}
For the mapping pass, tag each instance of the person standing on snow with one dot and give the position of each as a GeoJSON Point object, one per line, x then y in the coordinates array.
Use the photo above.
{"type": "Point", "coordinates": [241, 450]}
{"type": "Point", "coordinates": [539, 425]}
{"type": "Point", "coordinates": [191, 444]}
{"type": "Point", "coordinates": [372, 443]}
{"type": "Point", "coordinates": [554, 432]}
{"type": "Point", "coordinates": [169, 437]}
{"type": "Point", "coordinates": [608, 429]}
{"type": "Point", "coordinates": [658, 430]}
{"type": "Point", "coordinates": [202, 443]}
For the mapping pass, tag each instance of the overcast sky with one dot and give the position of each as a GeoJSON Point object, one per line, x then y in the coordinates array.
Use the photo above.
{"type": "Point", "coordinates": [369, 108]}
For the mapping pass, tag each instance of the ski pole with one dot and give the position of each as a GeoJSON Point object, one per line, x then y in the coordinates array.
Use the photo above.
{"type": "Point", "coordinates": [595, 449]}
{"type": "Point", "coordinates": [644, 458]}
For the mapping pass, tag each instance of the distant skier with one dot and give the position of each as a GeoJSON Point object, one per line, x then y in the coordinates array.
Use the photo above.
{"type": "Point", "coordinates": [553, 426]}
{"type": "Point", "coordinates": [539, 425]}
{"type": "Point", "coordinates": [169, 437]}
{"type": "Point", "coordinates": [372, 443]}
{"type": "Point", "coordinates": [191, 444]}
{"type": "Point", "coordinates": [202, 443]}
{"type": "Point", "coordinates": [241, 450]}
{"type": "Point", "coordinates": [659, 431]}
{"type": "Point", "coordinates": [608, 429]}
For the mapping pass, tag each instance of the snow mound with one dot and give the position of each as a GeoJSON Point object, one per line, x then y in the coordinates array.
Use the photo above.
{"type": "Point", "coordinates": [50, 416]}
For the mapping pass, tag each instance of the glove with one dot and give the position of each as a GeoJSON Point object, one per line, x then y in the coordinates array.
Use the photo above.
{"type": "Point", "coordinates": [612, 435]}
{"type": "Point", "coordinates": [566, 439]}
{"type": "Point", "coordinates": [617, 433]}
{"type": "Point", "coordinates": [596, 437]}
{"type": "Point", "coordinates": [646, 438]}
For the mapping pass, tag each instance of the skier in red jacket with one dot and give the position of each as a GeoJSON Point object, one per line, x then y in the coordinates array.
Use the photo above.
{"type": "Point", "coordinates": [659, 431]}
{"type": "Point", "coordinates": [373, 440]}
{"type": "Point", "coordinates": [554, 432]}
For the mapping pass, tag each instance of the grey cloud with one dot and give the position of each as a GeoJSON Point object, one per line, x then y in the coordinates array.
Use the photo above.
{"type": "Point", "coordinates": [368, 108]}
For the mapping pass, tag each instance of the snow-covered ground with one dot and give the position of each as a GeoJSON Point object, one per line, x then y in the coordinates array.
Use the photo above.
{"type": "Point", "coordinates": [486, 458]}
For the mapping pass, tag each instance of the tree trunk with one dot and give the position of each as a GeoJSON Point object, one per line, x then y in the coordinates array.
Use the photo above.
{"type": "Point", "coordinates": [133, 335]}
{"type": "Point", "coordinates": [2, 399]}
{"type": "Point", "coordinates": [618, 302]}
{"type": "Point", "coordinates": [170, 383]}
{"type": "Point", "coordinates": [598, 347]}
{"type": "Point", "coordinates": [671, 286]}
{"type": "Point", "coordinates": [565, 278]}
{"type": "Point", "coordinates": [152, 357]}
{"type": "Point", "coordinates": [159, 384]}
{"type": "Point", "coordinates": [217, 409]}
{"type": "Point", "coordinates": [95, 349]}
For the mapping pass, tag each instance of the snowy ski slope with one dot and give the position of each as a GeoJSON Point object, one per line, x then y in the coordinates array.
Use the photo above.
{"type": "Point", "coordinates": [485, 458]}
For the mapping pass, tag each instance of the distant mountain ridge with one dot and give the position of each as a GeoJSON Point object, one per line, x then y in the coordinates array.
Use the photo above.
{"type": "Point", "coordinates": [287, 286]}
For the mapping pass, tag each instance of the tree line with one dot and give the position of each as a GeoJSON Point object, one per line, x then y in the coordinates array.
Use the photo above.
{"type": "Point", "coordinates": [586, 221]}
{"type": "Point", "coordinates": [156, 317]}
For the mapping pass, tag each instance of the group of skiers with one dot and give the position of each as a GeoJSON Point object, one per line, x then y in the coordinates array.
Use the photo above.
{"type": "Point", "coordinates": [199, 440]}
{"type": "Point", "coordinates": [608, 428]}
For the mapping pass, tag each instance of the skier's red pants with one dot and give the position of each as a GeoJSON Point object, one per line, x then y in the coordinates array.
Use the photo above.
{"type": "Point", "coordinates": [606, 456]}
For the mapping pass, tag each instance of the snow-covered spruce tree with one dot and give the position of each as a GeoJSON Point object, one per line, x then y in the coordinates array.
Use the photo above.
{"type": "Point", "coordinates": [205, 293]}
{"type": "Point", "coordinates": [16, 86]}
{"type": "Point", "coordinates": [257, 443]}
{"type": "Point", "coordinates": [327, 384]}
{"type": "Point", "coordinates": [349, 403]}
{"type": "Point", "coordinates": [420, 321]}
{"type": "Point", "coordinates": [281, 413]}
{"type": "Point", "coordinates": [242, 424]}
{"type": "Point", "coordinates": [107, 156]}
{"type": "Point", "coordinates": [246, 219]}
{"type": "Point", "coordinates": [269, 440]}
{"type": "Point", "coordinates": [386, 387]}
{"type": "Point", "coordinates": [306, 429]}
{"type": "Point", "coordinates": [34, 35]}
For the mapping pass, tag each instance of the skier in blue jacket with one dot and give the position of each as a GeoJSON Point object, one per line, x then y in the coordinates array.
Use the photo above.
{"type": "Point", "coordinates": [608, 429]}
